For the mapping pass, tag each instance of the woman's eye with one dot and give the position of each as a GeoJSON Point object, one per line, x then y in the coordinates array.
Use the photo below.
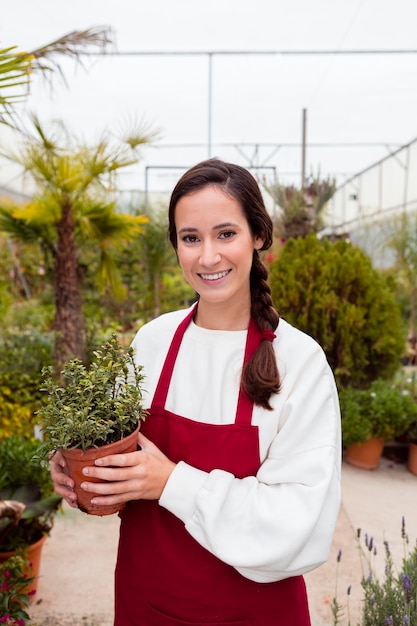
{"type": "Point", "coordinates": [189, 238]}
{"type": "Point", "coordinates": [227, 234]}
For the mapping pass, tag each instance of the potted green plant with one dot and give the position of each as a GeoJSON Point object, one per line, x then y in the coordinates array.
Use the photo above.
{"type": "Point", "coordinates": [371, 417]}
{"type": "Point", "coordinates": [406, 380]}
{"type": "Point", "coordinates": [412, 448]}
{"type": "Point", "coordinates": [94, 411]}
{"type": "Point", "coordinates": [14, 595]}
{"type": "Point", "coordinates": [28, 504]}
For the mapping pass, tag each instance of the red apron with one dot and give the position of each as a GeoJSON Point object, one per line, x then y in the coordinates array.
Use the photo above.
{"type": "Point", "coordinates": [164, 577]}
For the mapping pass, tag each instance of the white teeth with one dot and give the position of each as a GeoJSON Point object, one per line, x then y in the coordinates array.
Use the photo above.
{"type": "Point", "coordinates": [214, 276]}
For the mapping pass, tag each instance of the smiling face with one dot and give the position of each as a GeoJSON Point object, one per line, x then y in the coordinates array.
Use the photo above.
{"type": "Point", "coordinates": [215, 249]}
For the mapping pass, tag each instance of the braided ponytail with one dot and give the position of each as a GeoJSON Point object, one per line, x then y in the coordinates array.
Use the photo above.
{"type": "Point", "coordinates": [260, 376]}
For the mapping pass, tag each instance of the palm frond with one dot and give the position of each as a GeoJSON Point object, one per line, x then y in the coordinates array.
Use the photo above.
{"type": "Point", "coordinates": [14, 81]}
{"type": "Point", "coordinates": [16, 226]}
{"type": "Point", "coordinates": [16, 67]}
{"type": "Point", "coordinates": [72, 45]}
{"type": "Point", "coordinates": [101, 222]}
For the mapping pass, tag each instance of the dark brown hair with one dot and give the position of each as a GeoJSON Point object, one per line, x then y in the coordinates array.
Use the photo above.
{"type": "Point", "coordinates": [260, 376]}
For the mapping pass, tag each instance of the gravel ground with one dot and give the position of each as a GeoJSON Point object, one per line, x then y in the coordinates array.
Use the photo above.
{"type": "Point", "coordinates": [65, 620]}
{"type": "Point", "coordinates": [77, 567]}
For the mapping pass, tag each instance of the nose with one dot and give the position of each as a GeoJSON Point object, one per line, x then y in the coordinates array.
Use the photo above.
{"type": "Point", "coordinates": [209, 254]}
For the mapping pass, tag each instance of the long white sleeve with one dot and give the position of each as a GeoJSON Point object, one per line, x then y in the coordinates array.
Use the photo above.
{"type": "Point", "coordinates": [280, 522]}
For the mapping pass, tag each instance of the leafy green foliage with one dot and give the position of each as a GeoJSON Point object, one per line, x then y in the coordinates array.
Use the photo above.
{"type": "Point", "coordinates": [332, 292]}
{"type": "Point", "coordinates": [402, 240]}
{"type": "Point", "coordinates": [381, 410]}
{"type": "Point", "coordinates": [354, 409]}
{"type": "Point", "coordinates": [302, 209]}
{"type": "Point", "coordinates": [22, 356]}
{"type": "Point", "coordinates": [95, 405]}
{"type": "Point", "coordinates": [14, 598]}
{"type": "Point", "coordinates": [17, 66]}
{"type": "Point", "coordinates": [406, 380]}
{"type": "Point", "coordinates": [73, 207]}
{"type": "Point", "coordinates": [15, 70]}
{"type": "Point", "coordinates": [24, 479]}
{"type": "Point", "coordinates": [18, 466]}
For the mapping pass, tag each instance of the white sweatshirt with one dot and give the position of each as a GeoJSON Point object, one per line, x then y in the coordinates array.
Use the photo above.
{"type": "Point", "coordinates": [279, 523]}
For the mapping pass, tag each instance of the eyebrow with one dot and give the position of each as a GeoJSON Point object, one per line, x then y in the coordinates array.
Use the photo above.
{"type": "Point", "coordinates": [189, 229]}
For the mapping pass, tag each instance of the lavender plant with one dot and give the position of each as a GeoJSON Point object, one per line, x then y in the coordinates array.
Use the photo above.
{"type": "Point", "coordinates": [392, 599]}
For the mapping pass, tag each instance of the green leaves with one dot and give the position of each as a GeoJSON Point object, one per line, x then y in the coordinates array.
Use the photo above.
{"type": "Point", "coordinates": [94, 405]}
{"type": "Point", "coordinates": [15, 68]}
{"type": "Point", "coordinates": [14, 581]}
{"type": "Point", "coordinates": [25, 480]}
{"type": "Point", "coordinates": [332, 292]}
{"type": "Point", "coordinates": [381, 410]}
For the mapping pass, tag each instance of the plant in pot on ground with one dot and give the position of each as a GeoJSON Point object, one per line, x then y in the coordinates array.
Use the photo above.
{"type": "Point", "coordinates": [93, 408]}
{"type": "Point", "coordinates": [412, 447]}
{"type": "Point", "coordinates": [406, 380]}
{"type": "Point", "coordinates": [14, 595]}
{"type": "Point", "coordinates": [374, 415]}
{"type": "Point", "coordinates": [28, 504]}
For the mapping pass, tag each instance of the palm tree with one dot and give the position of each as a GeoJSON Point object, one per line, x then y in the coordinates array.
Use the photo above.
{"type": "Point", "coordinates": [16, 68]}
{"type": "Point", "coordinates": [156, 254]}
{"type": "Point", "coordinates": [301, 209]}
{"type": "Point", "coordinates": [74, 206]}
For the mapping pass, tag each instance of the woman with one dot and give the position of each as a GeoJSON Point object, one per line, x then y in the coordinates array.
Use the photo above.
{"type": "Point", "coordinates": [235, 490]}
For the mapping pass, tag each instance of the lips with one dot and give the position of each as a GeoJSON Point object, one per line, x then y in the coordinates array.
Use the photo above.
{"type": "Point", "coordinates": [215, 276]}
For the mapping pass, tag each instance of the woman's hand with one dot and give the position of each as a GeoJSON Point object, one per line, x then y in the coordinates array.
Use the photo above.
{"type": "Point", "coordinates": [132, 476]}
{"type": "Point", "coordinates": [63, 484]}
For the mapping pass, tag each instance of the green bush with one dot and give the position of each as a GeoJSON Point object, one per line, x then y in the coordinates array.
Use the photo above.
{"type": "Point", "coordinates": [23, 354]}
{"type": "Point", "coordinates": [381, 410]}
{"type": "Point", "coordinates": [332, 292]}
{"type": "Point", "coordinates": [24, 479]}
{"type": "Point", "coordinates": [18, 465]}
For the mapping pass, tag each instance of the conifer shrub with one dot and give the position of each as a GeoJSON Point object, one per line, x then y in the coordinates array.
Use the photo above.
{"type": "Point", "coordinates": [332, 292]}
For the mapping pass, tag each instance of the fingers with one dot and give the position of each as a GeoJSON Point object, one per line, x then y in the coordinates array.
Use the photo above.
{"type": "Point", "coordinates": [63, 484]}
{"type": "Point", "coordinates": [131, 476]}
{"type": "Point", "coordinates": [129, 459]}
{"type": "Point", "coordinates": [112, 474]}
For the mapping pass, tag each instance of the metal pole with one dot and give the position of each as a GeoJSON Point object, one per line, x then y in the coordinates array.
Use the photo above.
{"type": "Point", "coordinates": [303, 150]}
{"type": "Point", "coordinates": [146, 190]}
{"type": "Point", "coordinates": [210, 88]}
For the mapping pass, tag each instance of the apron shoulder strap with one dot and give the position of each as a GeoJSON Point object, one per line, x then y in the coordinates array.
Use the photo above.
{"type": "Point", "coordinates": [162, 387]}
{"type": "Point", "coordinates": [244, 404]}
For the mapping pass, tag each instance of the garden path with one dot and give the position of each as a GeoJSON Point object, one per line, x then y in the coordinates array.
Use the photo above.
{"type": "Point", "coordinates": [76, 584]}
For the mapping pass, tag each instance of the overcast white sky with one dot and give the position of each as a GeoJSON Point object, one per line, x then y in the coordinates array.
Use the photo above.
{"type": "Point", "coordinates": [256, 99]}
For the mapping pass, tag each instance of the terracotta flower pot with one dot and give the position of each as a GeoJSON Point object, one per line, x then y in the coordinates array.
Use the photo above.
{"type": "Point", "coordinates": [412, 458]}
{"type": "Point", "coordinates": [365, 455]}
{"type": "Point", "coordinates": [33, 555]}
{"type": "Point", "coordinates": [76, 460]}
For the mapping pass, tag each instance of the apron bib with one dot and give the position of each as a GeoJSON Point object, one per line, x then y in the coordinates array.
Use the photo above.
{"type": "Point", "coordinates": [164, 577]}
